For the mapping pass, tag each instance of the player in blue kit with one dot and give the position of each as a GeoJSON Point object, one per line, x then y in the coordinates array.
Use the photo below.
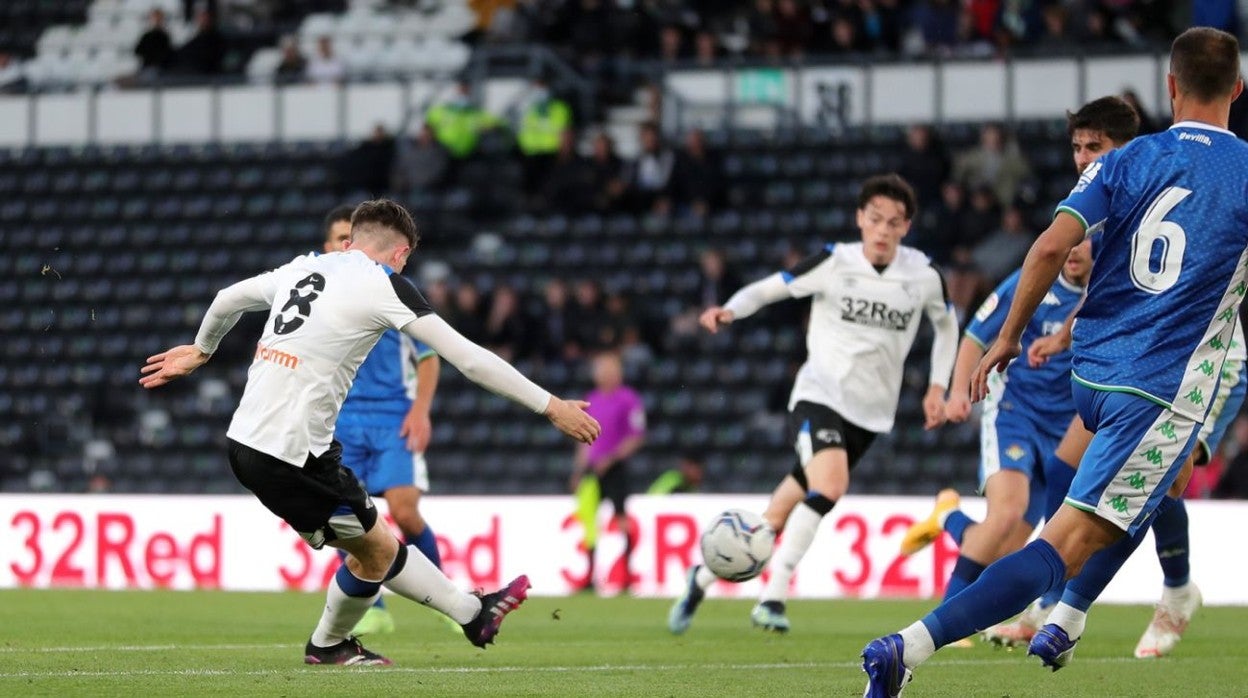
{"type": "Point", "coordinates": [1023, 421]}
{"type": "Point", "coordinates": [1150, 342]}
{"type": "Point", "coordinates": [384, 428]}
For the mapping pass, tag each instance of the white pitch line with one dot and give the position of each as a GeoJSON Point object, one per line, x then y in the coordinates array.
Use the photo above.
{"type": "Point", "coordinates": [599, 668]}
{"type": "Point", "coordinates": [141, 648]}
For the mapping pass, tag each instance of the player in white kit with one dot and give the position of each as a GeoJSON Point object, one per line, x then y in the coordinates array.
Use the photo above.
{"type": "Point", "coordinates": [325, 314]}
{"type": "Point", "coordinates": [867, 300]}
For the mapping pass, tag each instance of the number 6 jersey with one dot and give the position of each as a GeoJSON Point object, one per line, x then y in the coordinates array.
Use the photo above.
{"type": "Point", "coordinates": [1169, 266]}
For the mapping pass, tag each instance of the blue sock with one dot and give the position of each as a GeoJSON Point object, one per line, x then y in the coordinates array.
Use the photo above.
{"type": "Point", "coordinates": [956, 524]}
{"type": "Point", "coordinates": [1087, 586]}
{"type": "Point", "coordinates": [965, 572]}
{"type": "Point", "coordinates": [1004, 589]}
{"type": "Point", "coordinates": [1058, 474]}
{"type": "Point", "coordinates": [427, 544]}
{"type": "Point", "coordinates": [1170, 533]}
{"type": "Point", "coordinates": [352, 585]}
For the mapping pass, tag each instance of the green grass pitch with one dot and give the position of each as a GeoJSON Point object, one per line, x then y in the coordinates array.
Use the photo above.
{"type": "Point", "coordinates": [142, 644]}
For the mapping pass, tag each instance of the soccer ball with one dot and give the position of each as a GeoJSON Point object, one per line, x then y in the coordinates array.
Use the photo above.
{"type": "Point", "coordinates": [737, 545]}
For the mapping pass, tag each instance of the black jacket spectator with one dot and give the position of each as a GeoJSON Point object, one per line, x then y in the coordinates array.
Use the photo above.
{"type": "Point", "coordinates": [699, 175]}
{"type": "Point", "coordinates": [155, 49]}
{"type": "Point", "coordinates": [203, 53]}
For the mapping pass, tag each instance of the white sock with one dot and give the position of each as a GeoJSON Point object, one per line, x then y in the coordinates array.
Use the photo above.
{"type": "Point", "coordinates": [918, 645]}
{"type": "Point", "coordinates": [1172, 596]}
{"type": "Point", "coordinates": [799, 533]}
{"type": "Point", "coordinates": [425, 584]}
{"type": "Point", "coordinates": [341, 614]}
{"type": "Point", "coordinates": [1069, 618]}
{"type": "Point", "coordinates": [704, 577]}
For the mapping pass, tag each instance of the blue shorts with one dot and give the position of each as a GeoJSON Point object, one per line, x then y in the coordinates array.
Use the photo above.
{"type": "Point", "coordinates": [1226, 404]}
{"type": "Point", "coordinates": [378, 456]}
{"type": "Point", "coordinates": [1011, 440]}
{"type": "Point", "coordinates": [1137, 449]}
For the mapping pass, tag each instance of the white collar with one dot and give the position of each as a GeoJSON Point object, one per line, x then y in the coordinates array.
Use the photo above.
{"type": "Point", "coordinates": [1069, 285]}
{"type": "Point", "coordinates": [1200, 125]}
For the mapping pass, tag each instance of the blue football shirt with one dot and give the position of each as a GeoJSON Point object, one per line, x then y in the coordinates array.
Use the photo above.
{"type": "Point", "coordinates": [1169, 268]}
{"type": "Point", "coordinates": [386, 381]}
{"type": "Point", "coordinates": [1039, 391]}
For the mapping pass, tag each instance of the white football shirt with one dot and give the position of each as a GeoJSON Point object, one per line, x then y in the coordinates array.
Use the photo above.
{"type": "Point", "coordinates": [325, 314]}
{"type": "Point", "coordinates": [862, 325]}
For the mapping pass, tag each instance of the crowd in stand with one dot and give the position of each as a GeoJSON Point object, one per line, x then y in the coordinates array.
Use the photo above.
{"type": "Point", "coordinates": [594, 32]}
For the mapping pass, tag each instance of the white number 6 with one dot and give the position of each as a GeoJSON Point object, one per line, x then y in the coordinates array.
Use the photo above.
{"type": "Point", "coordinates": [1173, 241]}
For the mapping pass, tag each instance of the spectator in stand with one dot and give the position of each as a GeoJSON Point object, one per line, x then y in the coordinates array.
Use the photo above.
{"type": "Point", "coordinates": [608, 174]}
{"type": "Point", "coordinates": [421, 163]}
{"type": "Point", "coordinates": [936, 23]}
{"type": "Point", "coordinates": [881, 25]}
{"type": "Point", "coordinates": [793, 28]}
{"type": "Point", "coordinates": [569, 185]}
{"type": "Point", "coordinates": [467, 314]}
{"type": "Point", "coordinates": [1003, 251]}
{"type": "Point", "coordinates": [204, 52]}
{"type": "Point", "coordinates": [670, 44]}
{"type": "Point", "coordinates": [1147, 124]}
{"type": "Point", "coordinates": [705, 49]}
{"type": "Point", "coordinates": [12, 79]}
{"type": "Point", "coordinates": [617, 321]}
{"type": "Point", "coordinates": [458, 122]}
{"type": "Point", "coordinates": [843, 36]}
{"type": "Point", "coordinates": [925, 164]}
{"type": "Point", "coordinates": [367, 166]}
{"type": "Point", "coordinates": [293, 66]}
{"type": "Point", "coordinates": [699, 175]}
{"type": "Point", "coordinates": [587, 317]}
{"type": "Point", "coordinates": [1055, 36]}
{"type": "Point", "coordinates": [504, 326]}
{"type": "Point", "coordinates": [326, 66]}
{"type": "Point", "coordinates": [155, 48]}
{"type": "Point", "coordinates": [544, 120]}
{"type": "Point", "coordinates": [762, 28]}
{"type": "Point", "coordinates": [717, 279]}
{"type": "Point", "coordinates": [555, 334]}
{"type": "Point", "coordinates": [649, 178]}
{"type": "Point", "coordinates": [982, 218]}
{"type": "Point", "coordinates": [1096, 32]}
{"type": "Point", "coordinates": [996, 162]}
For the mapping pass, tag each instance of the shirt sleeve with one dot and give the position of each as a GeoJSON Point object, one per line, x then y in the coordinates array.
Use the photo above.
{"type": "Point", "coordinates": [986, 324]}
{"type": "Point", "coordinates": [944, 321]}
{"type": "Point", "coordinates": [1089, 201]}
{"type": "Point", "coordinates": [801, 279]}
{"type": "Point", "coordinates": [402, 305]}
{"type": "Point", "coordinates": [231, 302]}
{"type": "Point", "coordinates": [478, 364]}
{"type": "Point", "coordinates": [423, 351]}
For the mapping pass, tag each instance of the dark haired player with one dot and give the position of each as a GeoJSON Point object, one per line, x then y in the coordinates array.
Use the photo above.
{"type": "Point", "coordinates": [868, 298]}
{"type": "Point", "coordinates": [325, 314]}
{"type": "Point", "coordinates": [1150, 344]}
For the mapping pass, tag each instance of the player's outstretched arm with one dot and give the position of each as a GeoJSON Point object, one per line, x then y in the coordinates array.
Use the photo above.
{"type": "Point", "coordinates": [1040, 269]}
{"type": "Point", "coordinates": [745, 302]}
{"type": "Point", "coordinates": [959, 406]}
{"type": "Point", "coordinates": [171, 364]}
{"type": "Point", "coordinates": [486, 369]}
{"type": "Point", "coordinates": [230, 303]}
{"type": "Point", "coordinates": [944, 351]}
{"type": "Point", "coordinates": [1044, 347]}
